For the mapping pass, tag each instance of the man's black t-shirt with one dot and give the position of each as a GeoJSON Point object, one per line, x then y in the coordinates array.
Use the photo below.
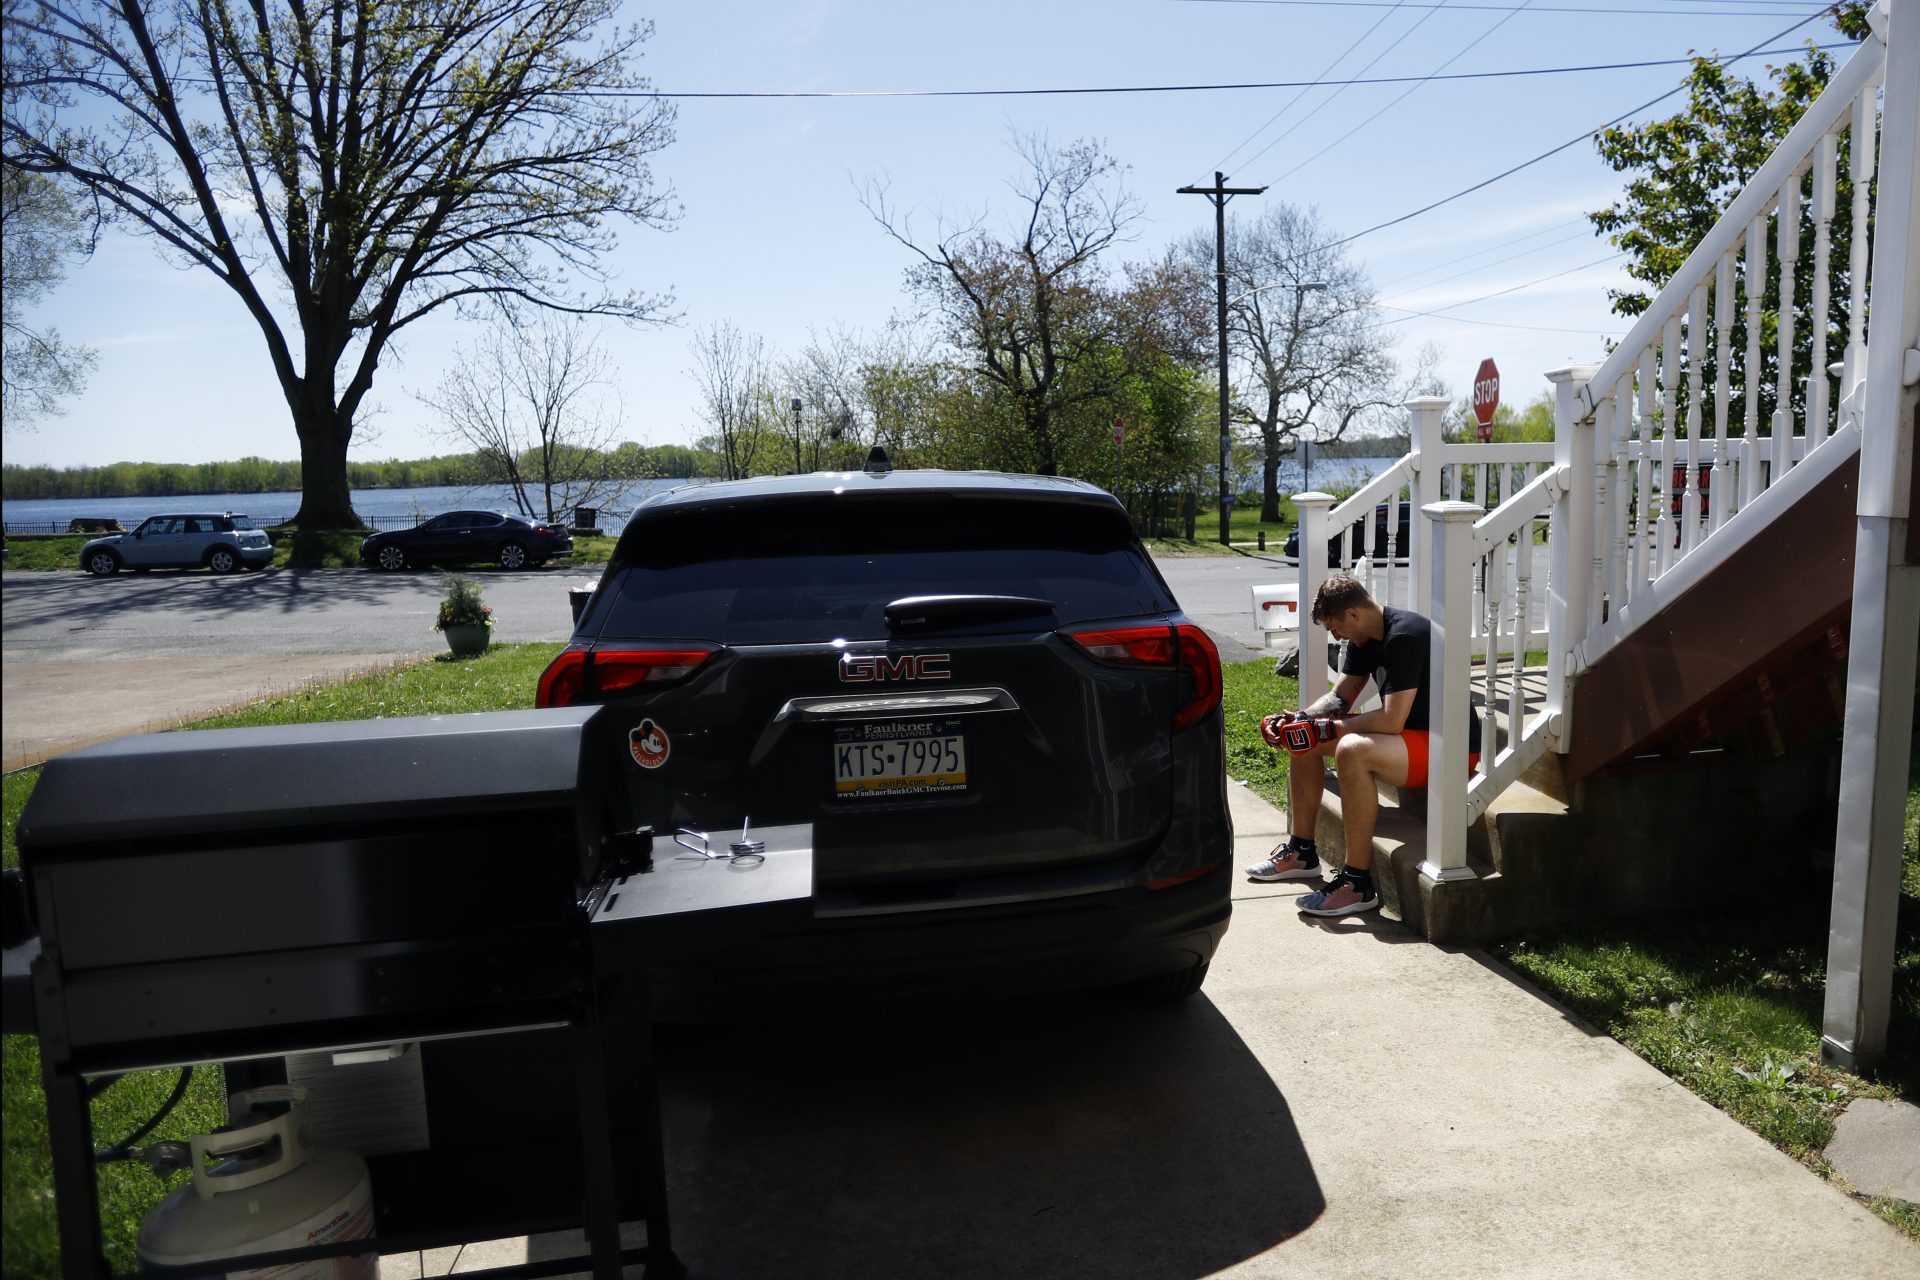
{"type": "Point", "coordinates": [1398, 660]}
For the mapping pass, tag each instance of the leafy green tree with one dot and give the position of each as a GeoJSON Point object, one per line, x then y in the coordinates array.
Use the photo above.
{"type": "Point", "coordinates": [1687, 168]}
{"type": "Point", "coordinates": [39, 231]}
{"type": "Point", "coordinates": [347, 168]}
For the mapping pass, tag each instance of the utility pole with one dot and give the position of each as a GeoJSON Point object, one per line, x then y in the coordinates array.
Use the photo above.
{"type": "Point", "coordinates": [1218, 193]}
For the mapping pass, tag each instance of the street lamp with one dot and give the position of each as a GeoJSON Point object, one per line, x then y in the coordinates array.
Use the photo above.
{"type": "Point", "coordinates": [1301, 288]}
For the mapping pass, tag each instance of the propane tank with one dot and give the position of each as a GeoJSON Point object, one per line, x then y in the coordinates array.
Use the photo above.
{"type": "Point", "coordinates": [273, 1191]}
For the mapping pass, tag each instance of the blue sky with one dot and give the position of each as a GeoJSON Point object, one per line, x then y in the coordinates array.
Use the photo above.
{"type": "Point", "coordinates": [774, 238]}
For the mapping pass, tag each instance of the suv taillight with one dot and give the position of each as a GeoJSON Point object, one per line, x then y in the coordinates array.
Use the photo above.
{"type": "Point", "coordinates": [1183, 645]}
{"type": "Point", "coordinates": [579, 674]}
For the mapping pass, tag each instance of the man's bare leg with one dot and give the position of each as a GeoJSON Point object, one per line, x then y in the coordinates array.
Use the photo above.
{"type": "Point", "coordinates": [1363, 761]}
{"type": "Point", "coordinates": [1306, 785]}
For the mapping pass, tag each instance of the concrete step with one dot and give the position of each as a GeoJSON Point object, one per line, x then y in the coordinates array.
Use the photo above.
{"type": "Point", "coordinates": [1547, 854]}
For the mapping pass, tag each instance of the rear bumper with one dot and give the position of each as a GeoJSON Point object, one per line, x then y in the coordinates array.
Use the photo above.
{"type": "Point", "coordinates": [1067, 943]}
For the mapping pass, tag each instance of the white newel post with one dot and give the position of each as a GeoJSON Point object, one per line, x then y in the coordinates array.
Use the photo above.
{"type": "Point", "coordinates": [1450, 704]}
{"type": "Point", "coordinates": [1570, 540]}
{"type": "Point", "coordinates": [1426, 429]}
{"type": "Point", "coordinates": [1886, 589]}
{"type": "Point", "coordinates": [1313, 508]}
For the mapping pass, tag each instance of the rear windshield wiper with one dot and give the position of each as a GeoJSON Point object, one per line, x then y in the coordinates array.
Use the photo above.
{"type": "Point", "coordinates": [919, 613]}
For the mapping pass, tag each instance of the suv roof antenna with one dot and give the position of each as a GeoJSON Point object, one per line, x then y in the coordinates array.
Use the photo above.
{"type": "Point", "coordinates": [877, 464]}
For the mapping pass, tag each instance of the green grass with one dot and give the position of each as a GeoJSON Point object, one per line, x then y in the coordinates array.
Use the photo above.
{"type": "Point", "coordinates": [501, 679]}
{"type": "Point", "coordinates": [1729, 1003]}
{"type": "Point", "coordinates": [331, 549]}
{"type": "Point", "coordinates": [39, 552]}
{"type": "Point", "coordinates": [1251, 690]}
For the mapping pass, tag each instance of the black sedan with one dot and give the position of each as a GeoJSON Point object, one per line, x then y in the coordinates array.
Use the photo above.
{"type": "Point", "coordinates": [465, 537]}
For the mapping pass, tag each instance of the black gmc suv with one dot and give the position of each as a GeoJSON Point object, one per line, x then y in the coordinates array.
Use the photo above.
{"type": "Point", "coordinates": [975, 686]}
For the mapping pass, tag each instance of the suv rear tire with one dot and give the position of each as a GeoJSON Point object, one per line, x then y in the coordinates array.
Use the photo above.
{"type": "Point", "coordinates": [1171, 988]}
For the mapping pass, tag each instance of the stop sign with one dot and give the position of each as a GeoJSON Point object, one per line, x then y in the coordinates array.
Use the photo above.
{"type": "Point", "coordinates": [1119, 430]}
{"type": "Point", "coordinates": [1486, 395]}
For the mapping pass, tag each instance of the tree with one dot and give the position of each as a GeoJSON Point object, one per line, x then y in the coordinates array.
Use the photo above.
{"type": "Point", "coordinates": [1686, 169]}
{"type": "Point", "coordinates": [1029, 309]}
{"type": "Point", "coordinates": [531, 401]}
{"type": "Point", "coordinates": [39, 230]}
{"type": "Point", "coordinates": [731, 370]}
{"type": "Point", "coordinates": [349, 168]}
{"type": "Point", "coordinates": [1312, 357]}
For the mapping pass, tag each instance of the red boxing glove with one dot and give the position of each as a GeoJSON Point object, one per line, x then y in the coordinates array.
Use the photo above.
{"type": "Point", "coordinates": [1273, 726]}
{"type": "Point", "coordinates": [1303, 736]}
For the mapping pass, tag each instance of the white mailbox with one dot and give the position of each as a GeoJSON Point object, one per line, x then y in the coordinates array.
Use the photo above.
{"type": "Point", "coordinates": [1276, 609]}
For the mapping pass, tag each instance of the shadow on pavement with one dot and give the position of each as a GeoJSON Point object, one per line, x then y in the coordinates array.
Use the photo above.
{"type": "Point", "coordinates": [1057, 1138]}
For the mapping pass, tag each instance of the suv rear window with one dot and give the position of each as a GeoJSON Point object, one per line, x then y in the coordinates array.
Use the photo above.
{"type": "Point", "coordinates": [812, 569]}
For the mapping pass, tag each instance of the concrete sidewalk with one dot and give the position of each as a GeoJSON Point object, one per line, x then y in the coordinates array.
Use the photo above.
{"type": "Point", "coordinates": [1461, 1124]}
{"type": "Point", "coordinates": [57, 705]}
{"type": "Point", "coordinates": [1343, 1100]}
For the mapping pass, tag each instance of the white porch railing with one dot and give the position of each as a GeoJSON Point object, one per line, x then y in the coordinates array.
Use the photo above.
{"type": "Point", "coordinates": [1645, 487]}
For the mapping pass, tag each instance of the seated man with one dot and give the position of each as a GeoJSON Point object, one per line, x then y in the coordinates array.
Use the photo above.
{"type": "Point", "coordinates": [1387, 745]}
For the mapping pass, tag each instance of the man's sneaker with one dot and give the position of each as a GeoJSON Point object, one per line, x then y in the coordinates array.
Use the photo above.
{"type": "Point", "coordinates": [1286, 863]}
{"type": "Point", "coordinates": [1338, 899]}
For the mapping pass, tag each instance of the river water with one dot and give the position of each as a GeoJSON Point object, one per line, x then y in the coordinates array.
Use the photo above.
{"type": "Point", "coordinates": [394, 508]}
{"type": "Point", "coordinates": [388, 508]}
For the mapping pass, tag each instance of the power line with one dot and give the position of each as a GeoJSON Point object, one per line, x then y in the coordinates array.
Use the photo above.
{"type": "Point", "coordinates": [1320, 106]}
{"type": "Point", "coordinates": [1410, 89]}
{"type": "Point", "coordinates": [1554, 151]}
{"type": "Point", "coordinates": [1174, 88]}
{"type": "Point", "coordinates": [1478, 253]}
{"type": "Point", "coordinates": [1490, 324]}
{"type": "Point", "coordinates": [1222, 162]}
{"type": "Point", "coordinates": [1551, 244]}
{"type": "Point", "coordinates": [1510, 8]}
{"type": "Point", "coordinates": [1437, 312]}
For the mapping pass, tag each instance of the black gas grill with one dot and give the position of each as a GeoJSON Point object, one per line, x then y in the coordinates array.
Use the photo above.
{"type": "Point", "coordinates": [241, 895]}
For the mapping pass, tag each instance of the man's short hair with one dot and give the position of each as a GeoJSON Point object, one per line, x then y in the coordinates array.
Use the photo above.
{"type": "Point", "coordinates": [1338, 594]}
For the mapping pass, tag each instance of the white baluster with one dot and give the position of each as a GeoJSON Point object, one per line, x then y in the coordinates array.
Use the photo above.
{"type": "Point", "coordinates": [1619, 428]}
{"type": "Point", "coordinates": [1696, 388]}
{"type": "Point", "coordinates": [1751, 480]}
{"type": "Point", "coordinates": [1495, 566]}
{"type": "Point", "coordinates": [1644, 536]}
{"type": "Point", "coordinates": [1865, 122]}
{"type": "Point", "coordinates": [1787, 250]}
{"type": "Point", "coordinates": [1571, 539]}
{"type": "Point", "coordinates": [1665, 533]}
{"type": "Point", "coordinates": [1823, 183]}
{"type": "Point", "coordinates": [1720, 491]}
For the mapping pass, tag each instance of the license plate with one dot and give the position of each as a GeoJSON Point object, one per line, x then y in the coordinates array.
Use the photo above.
{"type": "Point", "coordinates": [903, 759]}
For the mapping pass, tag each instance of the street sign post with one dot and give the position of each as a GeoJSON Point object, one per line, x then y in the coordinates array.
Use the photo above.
{"type": "Point", "coordinates": [1486, 397]}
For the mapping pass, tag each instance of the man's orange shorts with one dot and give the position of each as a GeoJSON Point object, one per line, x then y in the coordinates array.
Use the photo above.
{"type": "Point", "coordinates": [1416, 740]}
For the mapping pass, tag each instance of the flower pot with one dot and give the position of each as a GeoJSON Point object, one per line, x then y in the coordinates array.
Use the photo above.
{"type": "Point", "coordinates": [467, 641]}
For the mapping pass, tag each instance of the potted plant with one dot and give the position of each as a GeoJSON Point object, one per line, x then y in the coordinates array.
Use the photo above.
{"type": "Point", "coordinates": [466, 622]}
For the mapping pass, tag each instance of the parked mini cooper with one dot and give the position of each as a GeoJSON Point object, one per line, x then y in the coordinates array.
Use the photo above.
{"type": "Point", "coordinates": [222, 543]}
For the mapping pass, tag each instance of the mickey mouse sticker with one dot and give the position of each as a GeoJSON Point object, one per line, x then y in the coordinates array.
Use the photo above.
{"type": "Point", "coordinates": [648, 744]}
